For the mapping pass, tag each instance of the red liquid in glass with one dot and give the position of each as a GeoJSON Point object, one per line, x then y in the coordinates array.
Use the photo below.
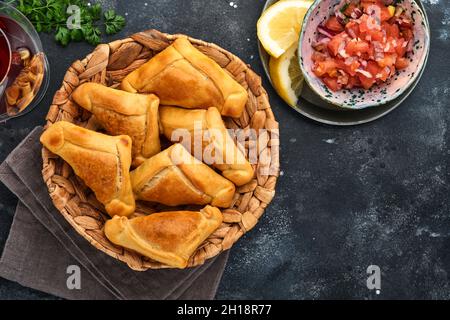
{"type": "Point", "coordinates": [4, 57]}
{"type": "Point", "coordinates": [18, 38]}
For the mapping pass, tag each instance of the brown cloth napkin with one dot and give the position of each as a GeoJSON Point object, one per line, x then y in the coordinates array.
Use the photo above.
{"type": "Point", "coordinates": [42, 244]}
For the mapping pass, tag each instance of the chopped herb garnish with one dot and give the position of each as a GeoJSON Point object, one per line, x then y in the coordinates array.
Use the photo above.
{"type": "Point", "coordinates": [345, 7]}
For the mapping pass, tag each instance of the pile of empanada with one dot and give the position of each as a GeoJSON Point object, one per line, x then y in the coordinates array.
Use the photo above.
{"type": "Point", "coordinates": [179, 89]}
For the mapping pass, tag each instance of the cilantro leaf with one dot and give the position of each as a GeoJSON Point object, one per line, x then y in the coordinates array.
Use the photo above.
{"type": "Point", "coordinates": [113, 22]}
{"type": "Point", "coordinates": [62, 36]}
{"type": "Point", "coordinates": [91, 34]}
{"type": "Point", "coordinates": [95, 11]}
{"type": "Point", "coordinates": [76, 35]}
{"type": "Point", "coordinates": [110, 14]}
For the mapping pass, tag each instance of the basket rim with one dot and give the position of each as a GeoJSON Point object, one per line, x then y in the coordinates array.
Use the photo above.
{"type": "Point", "coordinates": [236, 230]}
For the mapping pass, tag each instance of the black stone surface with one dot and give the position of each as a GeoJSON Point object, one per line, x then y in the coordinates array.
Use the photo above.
{"type": "Point", "coordinates": [348, 197]}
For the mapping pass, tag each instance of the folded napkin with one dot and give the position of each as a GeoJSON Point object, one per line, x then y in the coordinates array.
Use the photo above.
{"type": "Point", "coordinates": [42, 244]}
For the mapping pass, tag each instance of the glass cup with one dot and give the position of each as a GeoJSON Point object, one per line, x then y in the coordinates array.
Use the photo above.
{"type": "Point", "coordinates": [24, 69]}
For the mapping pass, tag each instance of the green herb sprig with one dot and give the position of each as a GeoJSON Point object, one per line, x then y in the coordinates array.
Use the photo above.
{"type": "Point", "coordinates": [51, 16]}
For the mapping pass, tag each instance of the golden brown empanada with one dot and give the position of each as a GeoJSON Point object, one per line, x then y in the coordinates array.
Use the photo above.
{"type": "Point", "coordinates": [174, 177]}
{"type": "Point", "coordinates": [101, 161]}
{"type": "Point", "coordinates": [120, 112]}
{"type": "Point", "coordinates": [182, 76]}
{"type": "Point", "coordinates": [167, 237]}
{"type": "Point", "coordinates": [231, 162]}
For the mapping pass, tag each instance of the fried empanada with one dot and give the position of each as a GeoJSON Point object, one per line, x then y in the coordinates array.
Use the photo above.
{"type": "Point", "coordinates": [226, 156]}
{"type": "Point", "coordinates": [174, 177]}
{"type": "Point", "coordinates": [121, 112]}
{"type": "Point", "coordinates": [182, 76]}
{"type": "Point", "coordinates": [101, 161]}
{"type": "Point", "coordinates": [167, 237]}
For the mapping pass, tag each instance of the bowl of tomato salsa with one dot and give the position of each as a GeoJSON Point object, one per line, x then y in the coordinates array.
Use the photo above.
{"type": "Point", "coordinates": [357, 54]}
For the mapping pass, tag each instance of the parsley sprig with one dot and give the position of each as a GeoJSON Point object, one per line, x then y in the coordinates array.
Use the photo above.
{"type": "Point", "coordinates": [51, 16]}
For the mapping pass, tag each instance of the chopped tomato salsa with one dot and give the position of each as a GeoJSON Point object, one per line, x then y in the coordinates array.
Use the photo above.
{"type": "Point", "coordinates": [362, 44]}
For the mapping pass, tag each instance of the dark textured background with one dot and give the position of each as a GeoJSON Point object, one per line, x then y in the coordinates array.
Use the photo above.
{"type": "Point", "coordinates": [348, 197]}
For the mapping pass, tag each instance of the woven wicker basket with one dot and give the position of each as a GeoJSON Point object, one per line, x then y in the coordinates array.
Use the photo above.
{"type": "Point", "coordinates": [109, 64]}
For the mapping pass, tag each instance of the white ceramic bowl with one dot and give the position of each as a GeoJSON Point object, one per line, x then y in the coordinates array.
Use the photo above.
{"type": "Point", "coordinates": [358, 98]}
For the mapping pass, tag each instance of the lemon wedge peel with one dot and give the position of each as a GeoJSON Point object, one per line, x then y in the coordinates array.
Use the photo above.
{"type": "Point", "coordinates": [279, 26]}
{"type": "Point", "coordinates": [286, 75]}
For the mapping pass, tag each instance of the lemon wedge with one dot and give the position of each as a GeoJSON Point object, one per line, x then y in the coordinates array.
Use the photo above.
{"type": "Point", "coordinates": [287, 78]}
{"type": "Point", "coordinates": [279, 26]}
